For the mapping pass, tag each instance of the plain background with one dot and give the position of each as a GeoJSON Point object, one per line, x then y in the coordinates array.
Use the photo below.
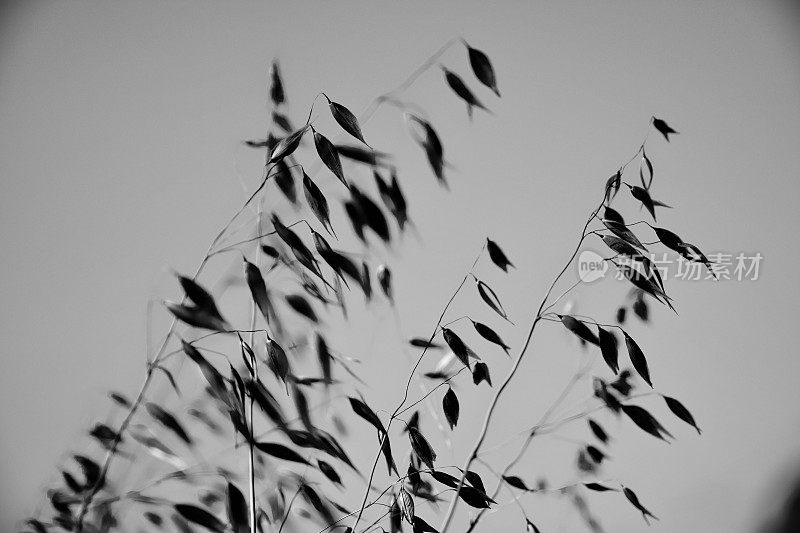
{"type": "Point", "coordinates": [121, 155]}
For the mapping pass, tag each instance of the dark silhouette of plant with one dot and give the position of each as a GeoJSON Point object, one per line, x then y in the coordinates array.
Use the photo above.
{"type": "Point", "coordinates": [260, 388]}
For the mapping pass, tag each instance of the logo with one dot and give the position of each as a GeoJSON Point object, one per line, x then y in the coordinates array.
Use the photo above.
{"type": "Point", "coordinates": [591, 266]}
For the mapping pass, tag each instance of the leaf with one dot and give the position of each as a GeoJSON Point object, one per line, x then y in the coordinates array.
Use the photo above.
{"type": "Point", "coordinates": [119, 399]}
{"type": "Point", "coordinates": [460, 88]}
{"type": "Point", "coordinates": [199, 516]}
{"type": "Point", "coordinates": [491, 298]}
{"type": "Point", "coordinates": [266, 401]}
{"type": "Point", "coordinates": [637, 358]}
{"type": "Point", "coordinates": [649, 165]}
{"type": "Point", "coordinates": [329, 471]}
{"type": "Point", "coordinates": [597, 487]}
{"type": "Point", "coordinates": [580, 329]}
{"type": "Point", "coordinates": [635, 501]}
{"type": "Point", "coordinates": [450, 407]}
{"type": "Point", "coordinates": [370, 213]}
{"type": "Point", "coordinates": [329, 156]}
{"type": "Point", "coordinates": [299, 249]}
{"type": "Point", "coordinates": [473, 497]}
{"type": "Point", "coordinates": [598, 431]}
{"type": "Point", "coordinates": [364, 411]}
{"type": "Point", "coordinates": [386, 450]}
{"type": "Point", "coordinates": [422, 449]}
{"type": "Point", "coordinates": [237, 509]}
{"type": "Point", "coordinates": [516, 482]}
{"type": "Point", "coordinates": [384, 276]}
{"type": "Point", "coordinates": [168, 420]}
{"type": "Point", "coordinates": [461, 350]}
{"type": "Point", "coordinates": [279, 451]}
{"type": "Point", "coordinates": [199, 296]}
{"type": "Point", "coordinates": [194, 316]}
{"type": "Point", "coordinates": [481, 373]}
{"type": "Point", "coordinates": [645, 421]}
{"type": "Point", "coordinates": [647, 201]}
{"type": "Point", "coordinates": [282, 121]}
{"type": "Point", "coordinates": [346, 120]}
{"type": "Point", "coordinates": [211, 374]}
{"type": "Point", "coordinates": [482, 68]}
{"type": "Point", "coordinates": [406, 505]}
{"type": "Point", "coordinates": [258, 288]}
{"type": "Point", "coordinates": [530, 527]}
{"type": "Point", "coordinates": [490, 335]}
{"type": "Point", "coordinates": [278, 362]}
{"type": "Point", "coordinates": [432, 146]}
{"type": "Point", "coordinates": [395, 517]}
{"type": "Point", "coordinates": [157, 449]}
{"type": "Point", "coordinates": [620, 246]}
{"type": "Point", "coordinates": [679, 410]}
{"type": "Point", "coordinates": [301, 306]}
{"type": "Point", "coordinates": [104, 435]}
{"type": "Point", "coordinates": [285, 181]}
{"type": "Point", "coordinates": [419, 342]}
{"type": "Point", "coordinates": [421, 526]}
{"type": "Point", "coordinates": [497, 256]}
{"type": "Point", "coordinates": [318, 204]}
{"type": "Point", "coordinates": [596, 455]}
{"type": "Point", "coordinates": [287, 145]}
{"type": "Point", "coordinates": [361, 155]}
{"type": "Point", "coordinates": [475, 480]}
{"type": "Point", "coordinates": [276, 91]}
{"type": "Point", "coordinates": [663, 128]}
{"type": "Point", "coordinates": [613, 185]}
{"type": "Point", "coordinates": [324, 357]}
{"type": "Point", "coordinates": [608, 348]}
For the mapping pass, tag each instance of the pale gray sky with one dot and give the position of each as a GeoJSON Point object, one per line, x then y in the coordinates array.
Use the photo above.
{"type": "Point", "coordinates": [120, 157]}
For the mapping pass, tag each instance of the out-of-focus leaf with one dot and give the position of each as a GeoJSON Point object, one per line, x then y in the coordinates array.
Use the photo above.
{"type": "Point", "coordinates": [169, 421]}
{"type": "Point", "coordinates": [276, 91]}
{"type": "Point", "coordinates": [497, 256]}
{"type": "Point", "coordinates": [324, 357]}
{"type": "Point", "coordinates": [663, 128]}
{"type": "Point", "coordinates": [482, 68]}
{"type": "Point", "coordinates": [195, 316]}
{"type": "Point", "coordinates": [329, 471]}
{"type": "Point", "coordinates": [432, 145]}
{"type": "Point", "coordinates": [679, 410]}
{"type": "Point", "coordinates": [282, 121]}
{"type": "Point", "coordinates": [266, 401]}
{"type": "Point", "coordinates": [120, 399]}
{"type": "Point", "coordinates": [299, 249]}
{"type": "Point", "coordinates": [145, 437]}
{"type": "Point", "coordinates": [419, 342]}
{"type": "Point", "coordinates": [481, 373]}
{"type": "Point", "coordinates": [199, 296]}
{"type": "Point", "coordinates": [597, 487]}
{"type": "Point", "coordinates": [104, 435]}
{"type": "Point", "coordinates": [451, 407]}
{"type": "Point", "coordinates": [285, 180]}
{"type": "Point", "coordinates": [620, 317]}
{"type": "Point", "coordinates": [384, 276]}
{"type": "Point", "coordinates": [362, 155]}
{"type": "Point", "coordinates": [302, 306]}
{"type": "Point", "coordinates": [211, 374]}
{"type": "Point", "coordinates": [598, 431]}
{"type": "Point", "coordinates": [279, 451]}
{"type": "Point", "coordinates": [258, 288]}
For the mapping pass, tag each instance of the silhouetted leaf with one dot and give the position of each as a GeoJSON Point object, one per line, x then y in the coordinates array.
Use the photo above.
{"type": "Point", "coordinates": [516, 482]}
{"type": "Point", "coordinates": [280, 451]}
{"type": "Point", "coordinates": [237, 509]}
{"type": "Point", "coordinates": [104, 435]}
{"type": "Point", "coordinates": [386, 450]}
{"type": "Point", "coordinates": [597, 487]}
{"type": "Point", "coordinates": [329, 471]}
{"type": "Point", "coordinates": [491, 299]}
{"type": "Point", "coordinates": [287, 145]}
{"type": "Point", "coordinates": [199, 296]}
{"type": "Point", "coordinates": [299, 249]}
{"type": "Point", "coordinates": [598, 431]}
{"type": "Point", "coordinates": [324, 357]}
{"type": "Point", "coordinates": [199, 516]}
{"type": "Point", "coordinates": [406, 505]}
{"type": "Point", "coordinates": [395, 517]}
{"type": "Point", "coordinates": [419, 342]}
{"type": "Point", "coordinates": [318, 204]}
{"type": "Point", "coordinates": [490, 335]}
{"type": "Point", "coordinates": [482, 68]}
{"type": "Point", "coordinates": [497, 256]}
{"type": "Point", "coordinates": [635, 501]}
{"type": "Point", "coordinates": [481, 373]}
{"type": "Point", "coordinates": [211, 374]}
{"type": "Point", "coordinates": [168, 420]}
{"type": "Point", "coordinates": [195, 316]}
{"type": "Point", "coordinates": [421, 526]}
{"type": "Point", "coordinates": [364, 411]}
{"type": "Point", "coordinates": [473, 497]}
{"type": "Point", "coordinates": [450, 407]}
{"type": "Point", "coordinates": [596, 455]}
{"type": "Point", "coordinates": [679, 410]}
{"type": "Point", "coordinates": [460, 88]}
{"type": "Point", "coordinates": [278, 362]}
{"type": "Point", "coordinates": [459, 348]}
{"type": "Point", "coordinates": [432, 146]}
{"type": "Point", "coordinates": [580, 329]}
{"type": "Point", "coordinates": [266, 401]}
{"type": "Point", "coordinates": [384, 276]}
{"type": "Point", "coordinates": [620, 317]}
{"type": "Point", "coordinates": [329, 156]}
{"type": "Point", "coordinates": [663, 128]}
{"type": "Point", "coordinates": [301, 306]}
{"type": "Point", "coordinates": [285, 181]}
{"type": "Point", "coordinates": [645, 421]}
{"type": "Point", "coordinates": [647, 201]}
{"type": "Point", "coordinates": [276, 91]}
{"type": "Point", "coordinates": [119, 399]}
{"type": "Point", "coordinates": [612, 186]}
{"type": "Point", "coordinates": [608, 347]}
{"type": "Point", "coordinates": [637, 358]}
{"type": "Point", "coordinates": [422, 449]}
{"type": "Point", "coordinates": [346, 120]}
